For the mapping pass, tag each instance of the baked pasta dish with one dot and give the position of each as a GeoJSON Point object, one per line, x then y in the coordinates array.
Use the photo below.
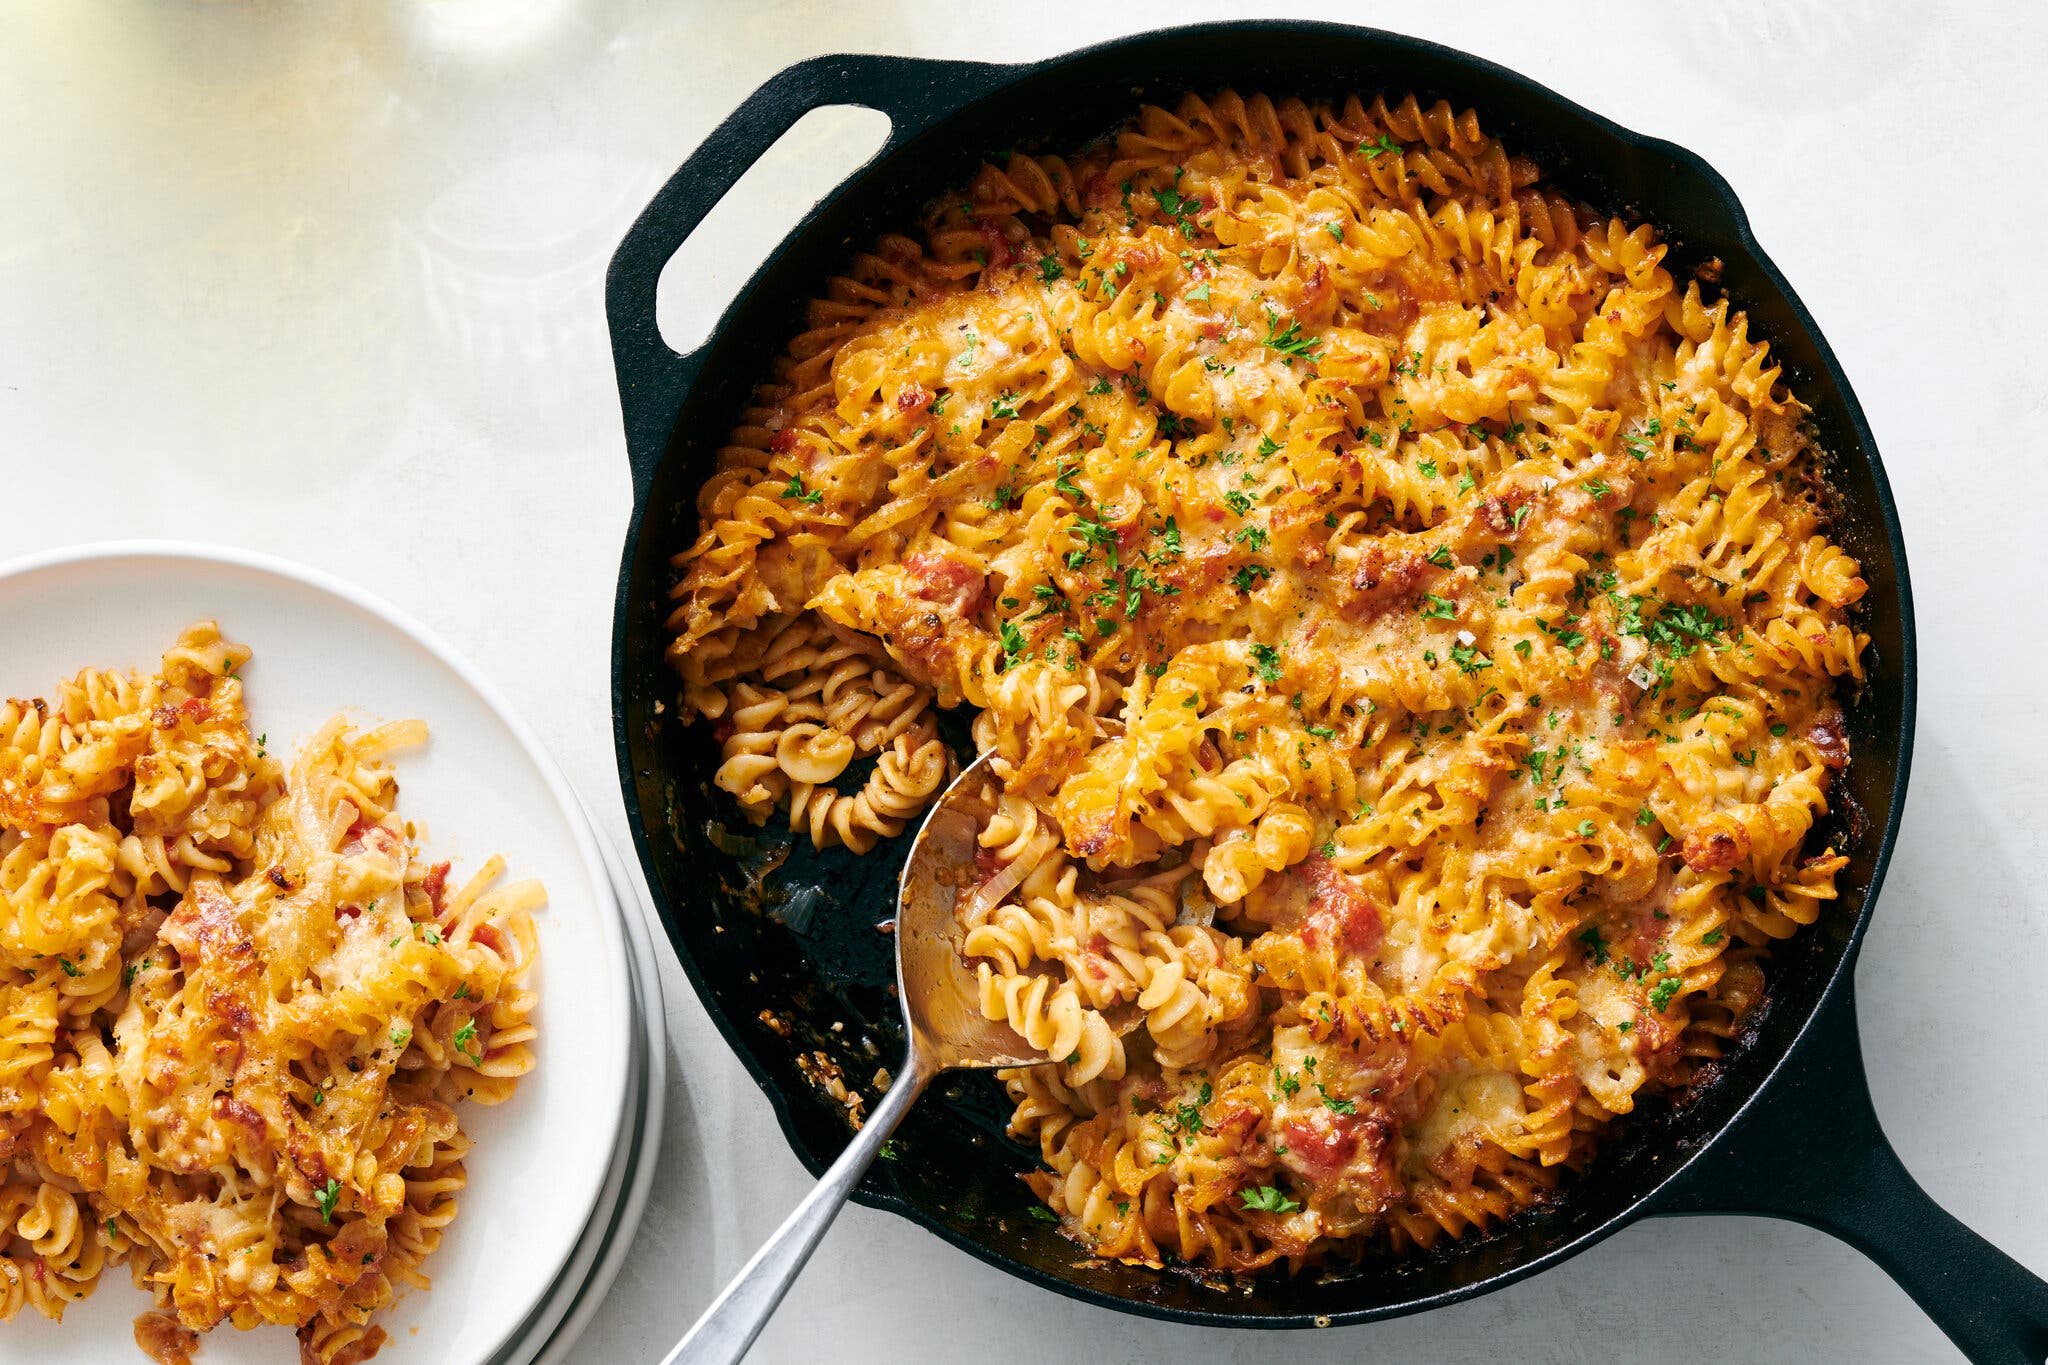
{"type": "Point", "coordinates": [239, 1012]}
{"type": "Point", "coordinates": [1403, 621]}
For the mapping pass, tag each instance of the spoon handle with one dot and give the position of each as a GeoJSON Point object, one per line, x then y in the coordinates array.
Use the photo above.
{"type": "Point", "coordinates": [728, 1327]}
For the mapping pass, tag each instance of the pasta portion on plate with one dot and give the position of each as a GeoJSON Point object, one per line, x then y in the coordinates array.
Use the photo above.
{"type": "Point", "coordinates": [239, 1012]}
{"type": "Point", "coordinates": [1404, 622]}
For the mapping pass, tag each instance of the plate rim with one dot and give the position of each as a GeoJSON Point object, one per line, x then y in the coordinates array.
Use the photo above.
{"type": "Point", "coordinates": [561, 1343]}
{"type": "Point", "coordinates": [567, 803]}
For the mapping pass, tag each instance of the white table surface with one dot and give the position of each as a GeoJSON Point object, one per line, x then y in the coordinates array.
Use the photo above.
{"type": "Point", "coordinates": [326, 281]}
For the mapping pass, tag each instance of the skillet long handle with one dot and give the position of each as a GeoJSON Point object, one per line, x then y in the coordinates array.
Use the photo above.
{"type": "Point", "coordinates": [913, 92]}
{"type": "Point", "coordinates": [1811, 1150]}
{"type": "Point", "coordinates": [728, 1327]}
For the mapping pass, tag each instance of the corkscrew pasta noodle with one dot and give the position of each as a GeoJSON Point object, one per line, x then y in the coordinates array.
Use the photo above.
{"type": "Point", "coordinates": [1403, 618]}
{"type": "Point", "coordinates": [239, 1012]}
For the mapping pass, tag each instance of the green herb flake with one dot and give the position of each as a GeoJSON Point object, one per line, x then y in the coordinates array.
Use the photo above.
{"type": "Point", "coordinates": [794, 489]}
{"type": "Point", "coordinates": [1268, 1199]}
{"type": "Point", "coordinates": [327, 1196]}
{"type": "Point", "coordinates": [1289, 341]}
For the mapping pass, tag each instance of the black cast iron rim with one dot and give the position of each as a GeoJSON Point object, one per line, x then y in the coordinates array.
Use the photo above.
{"type": "Point", "coordinates": [1832, 996]}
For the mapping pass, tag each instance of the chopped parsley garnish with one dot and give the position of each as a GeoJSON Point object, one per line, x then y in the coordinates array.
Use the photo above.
{"type": "Point", "coordinates": [1438, 608]}
{"type": "Point", "coordinates": [1188, 1117]}
{"type": "Point", "coordinates": [1237, 502]}
{"type": "Point", "coordinates": [1004, 406]}
{"type": "Point", "coordinates": [1597, 946]}
{"type": "Point", "coordinates": [1182, 207]}
{"type": "Point", "coordinates": [1095, 534]}
{"type": "Point", "coordinates": [327, 1196]}
{"type": "Point", "coordinates": [1050, 268]}
{"type": "Point", "coordinates": [464, 1036]}
{"type": "Point", "coordinates": [1253, 538]}
{"type": "Point", "coordinates": [1289, 341]}
{"type": "Point", "coordinates": [1044, 1214]}
{"type": "Point", "coordinates": [1660, 995]}
{"type": "Point", "coordinates": [1636, 444]}
{"type": "Point", "coordinates": [1372, 150]}
{"type": "Point", "coordinates": [795, 489]}
{"type": "Point", "coordinates": [1681, 629]}
{"type": "Point", "coordinates": [1247, 577]}
{"type": "Point", "coordinates": [1441, 557]}
{"type": "Point", "coordinates": [1267, 1199]}
{"type": "Point", "coordinates": [1268, 660]}
{"type": "Point", "coordinates": [1562, 632]}
{"type": "Point", "coordinates": [1469, 659]}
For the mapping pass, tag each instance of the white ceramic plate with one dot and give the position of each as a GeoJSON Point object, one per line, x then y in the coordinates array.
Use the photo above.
{"type": "Point", "coordinates": [551, 1333]}
{"type": "Point", "coordinates": [645, 1150]}
{"type": "Point", "coordinates": [481, 785]}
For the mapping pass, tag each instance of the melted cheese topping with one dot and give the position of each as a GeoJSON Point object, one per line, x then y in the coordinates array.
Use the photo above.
{"type": "Point", "coordinates": [237, 1011]}
{"type": "Point", "coordinates": [1403, 619]}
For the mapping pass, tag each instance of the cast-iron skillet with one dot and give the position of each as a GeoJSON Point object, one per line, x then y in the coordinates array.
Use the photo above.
{"type": "Point", "coordinates": [793, 971]}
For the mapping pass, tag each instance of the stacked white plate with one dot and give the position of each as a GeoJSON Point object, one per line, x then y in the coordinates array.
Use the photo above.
{"type": "Point", "coordinates": [559, 1174]}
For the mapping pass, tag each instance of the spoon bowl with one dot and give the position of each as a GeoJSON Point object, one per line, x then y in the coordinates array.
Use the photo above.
{"type": "Point", "coordinates": [940, 998]}
{"type": "Point", "coordinates": [942, 1018]}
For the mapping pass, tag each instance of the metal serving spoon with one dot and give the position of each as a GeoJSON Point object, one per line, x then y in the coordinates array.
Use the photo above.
{"type": "Point", "coordinates": [942, 1018]}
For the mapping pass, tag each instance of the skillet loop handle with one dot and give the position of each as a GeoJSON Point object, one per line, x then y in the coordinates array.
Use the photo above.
{"type": "Point", "coordinates": [1811, 1150]}
{"type": "Point", "coordinates": [913, 92]}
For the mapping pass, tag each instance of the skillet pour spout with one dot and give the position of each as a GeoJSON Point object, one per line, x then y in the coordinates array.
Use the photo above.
{"type": "Point", "coordinates": [1740, 1142]}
